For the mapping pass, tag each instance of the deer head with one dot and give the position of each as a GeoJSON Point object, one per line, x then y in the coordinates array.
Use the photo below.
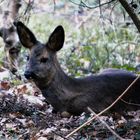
{"type": "Point", "coordinates": [42, 63]}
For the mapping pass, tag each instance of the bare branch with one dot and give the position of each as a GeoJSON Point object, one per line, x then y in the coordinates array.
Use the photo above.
{"type": "Point", "coordinates": [91, 7]}
{"type": "Point", "coordinates": [131, 13]}
{"type": "Point", "coordinates": [105, 124]}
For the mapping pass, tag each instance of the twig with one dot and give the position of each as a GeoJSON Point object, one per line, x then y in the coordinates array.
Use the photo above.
{"type": "Point", "coordinates": [92, 118]}
{"type": "Point", "coordinates": [60, 135]}
{"type": "Point", "coordinates": [112, 10]}
{"type": "Point", "coordinates": [105, 124]}
{"type": "Point", "coordinates": [86, 19]}
{"type": "Point", "coordinates": [29, 6]}
{"type": "Point", "coordinates": [91, 14]}
{"type": "Point", "coordinates": [130, 103]}
{"type": "Point", "coordinates": [85, 5]}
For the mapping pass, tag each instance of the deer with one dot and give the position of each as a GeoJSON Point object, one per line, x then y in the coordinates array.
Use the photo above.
{"type": "Point", "coordinates": [8, 33]}
{"type": "Point", "coordinates": [70, 95]}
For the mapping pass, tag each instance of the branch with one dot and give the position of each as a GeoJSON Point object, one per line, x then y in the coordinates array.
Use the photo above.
{"type": "Point", "coordinates": [92, 7]}
{"type": "Point", "coordinates": [131, 13]}
{"type": "Point", "coordinates": [106, 109]}
{"type": "Point", "coordinates": [105, 124]}
{"type": "Point", "coordinates": [130, 103]}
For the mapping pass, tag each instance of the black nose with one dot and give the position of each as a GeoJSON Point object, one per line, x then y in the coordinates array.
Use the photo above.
{"type": "Point", "coordinates": [29, 75]}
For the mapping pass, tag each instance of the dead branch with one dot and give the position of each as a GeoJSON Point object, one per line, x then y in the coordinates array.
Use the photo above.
{"type": "Point", "coordinates": [130, 103]}
{"type": "Point", "coordinates": [91, 7]}
{"type": "Point", "coordinates": [105, 124]}
{"type": "Point", "coordinates": [131, 13]}
{"type": "Point", "coordinates": [106, 109]}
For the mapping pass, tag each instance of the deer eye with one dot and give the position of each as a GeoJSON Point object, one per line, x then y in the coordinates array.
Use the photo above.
{"type": "Point", "coordinates": [43, 60]}
{"type": "Point", "coordinates": [27, 57]}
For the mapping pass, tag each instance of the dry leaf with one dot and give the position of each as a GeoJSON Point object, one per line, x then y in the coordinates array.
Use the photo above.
{"type": "Point", "coordinates": [5, 85]}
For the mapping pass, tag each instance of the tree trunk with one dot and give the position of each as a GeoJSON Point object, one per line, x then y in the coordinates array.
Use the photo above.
{"type": "Point", "coordinates": [131, 13]}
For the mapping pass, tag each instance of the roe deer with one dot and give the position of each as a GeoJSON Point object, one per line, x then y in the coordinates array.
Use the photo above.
{"type": "Point", "coordinates": [12, 46]}
{"type": "Point", "coordinates": [74, 95]}
{"type": "Point", "coordinates": [9, 35]}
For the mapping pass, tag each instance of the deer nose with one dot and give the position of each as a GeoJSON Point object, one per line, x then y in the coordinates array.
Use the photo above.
{"type": "Point", "coordinates": [29, 74]}
{"type": "Point", "coordinates": [9, 41]}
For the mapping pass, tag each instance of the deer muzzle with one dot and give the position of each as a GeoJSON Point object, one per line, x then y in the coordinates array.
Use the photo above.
{"type": "Point", "coordinates": [29, 75]}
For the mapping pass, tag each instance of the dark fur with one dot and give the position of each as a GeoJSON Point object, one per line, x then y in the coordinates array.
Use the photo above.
{"type": "Point", "coordinates": [74, 95]}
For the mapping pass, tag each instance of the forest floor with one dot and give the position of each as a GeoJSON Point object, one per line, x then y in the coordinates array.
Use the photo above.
{"type": "Point", "coordinates": [24, 115]}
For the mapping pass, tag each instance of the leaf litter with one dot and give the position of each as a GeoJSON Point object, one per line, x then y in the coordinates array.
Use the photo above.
{"type": "Point", "coordinates": [25, 115]}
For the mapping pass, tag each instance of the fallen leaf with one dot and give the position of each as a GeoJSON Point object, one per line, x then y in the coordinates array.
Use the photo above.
{"type": "Point", "coordinates": [5, 85]}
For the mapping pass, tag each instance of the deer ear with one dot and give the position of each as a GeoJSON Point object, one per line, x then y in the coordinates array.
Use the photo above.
{"type": "Point", "coordinates": [56, 39]}
{"type": "Point", "coordinates": [26, 37]}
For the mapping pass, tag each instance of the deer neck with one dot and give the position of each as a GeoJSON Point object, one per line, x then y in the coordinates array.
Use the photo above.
{"type": "Point", "coordinates": [61, 84]}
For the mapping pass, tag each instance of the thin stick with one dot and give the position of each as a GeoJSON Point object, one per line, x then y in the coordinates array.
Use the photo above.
{"type": "Point", "coordinates": [92, 118]}
{"type": "Point", "coordinates": [105, 124]}
{"type": "Point", "coordinates": [130, 103]}
{"type": "Point", "coordinates": [93, 7]}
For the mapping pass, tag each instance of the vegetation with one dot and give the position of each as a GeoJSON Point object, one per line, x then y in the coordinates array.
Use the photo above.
{"type": "Point", "coordinates": [92, 43]}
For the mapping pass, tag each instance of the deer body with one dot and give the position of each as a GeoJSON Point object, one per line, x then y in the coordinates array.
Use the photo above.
{"type": "Point", "coordinates": [96, 91]}
{"type": "Point", "coordinates": [73, 95]}
{"type": "Point", "coordinates": [12, 46]}
{"type": "Point", "coordinates": [9, 35]}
